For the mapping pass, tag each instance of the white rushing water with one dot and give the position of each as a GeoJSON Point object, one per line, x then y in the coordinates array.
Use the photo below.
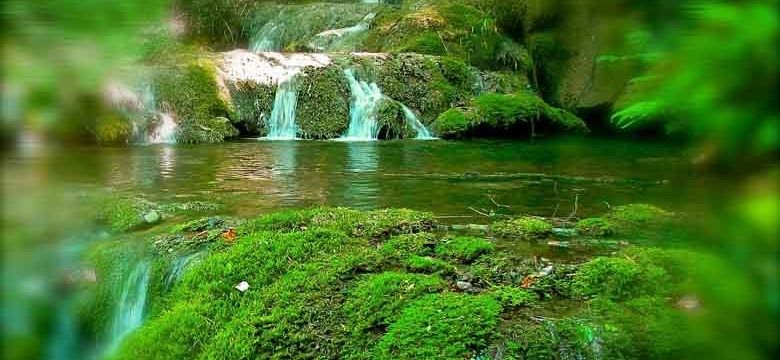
{"type": "Point", "coordinates": [129, 312]}
{"type": "Point", "coordinates": [363, 124]}
{"type": "Point", "coordinates": [416, 124]}
{"type": "Point", "coordinates": [164, 132]}
{"type": "Point", "coordinates": [281, 125]}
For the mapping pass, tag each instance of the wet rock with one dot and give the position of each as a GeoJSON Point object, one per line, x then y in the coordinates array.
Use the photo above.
{"type": "Point", "coordinates": [564, 232]}
{"type": "Point", "coordinates": [558, 244]}
{"type": "Point", "coordinates": [464, 286]}
{"type": "Point", "coordinates": [152, 217]}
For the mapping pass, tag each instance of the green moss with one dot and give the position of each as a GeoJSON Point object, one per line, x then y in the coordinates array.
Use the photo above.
{"type": "Point", "coordinates": [503, 110]}
{"type": "Point", "coordinates": [500, 268]}
{"type": "Point", "coordinates": [392, 121]}
{"type": "Point", "coordinates": [191, 92]}
{"type": "Point", "coordinates": [453, 123]}
{"type": "Point", "coordinates": [421, 83]}
{"type": "Point", "coordinates": [112, 128]}
{"type": "Point", "coordinates": [253, 103]}
{"type": "Point", "coordinates": [402, 247]}
{"type": "Point", "coordinates": [428, 265]}
{"type": "Point", "coordinates": [374, 225]}
{"type": "Point", "coordinates": [464, 249]}
{"type": "Point", "coordinates": [323, 104]}
{"type": "Point", "coordinates": [124, 214]}
{"type": "Point", "coordinates": [511, 297]}
{"type": "Point", "coordinates": [595, 227]}
{"type": "Point", "coordinates": [446, 326]}
{"type": "Point", "coordinates": [638, 214]}
{"type": "Point", "coordinates": [526, 228]}
{"type": "Point", "coordinates": [377, 300]}
{"type": "Point", "coordinates": [618, 279]}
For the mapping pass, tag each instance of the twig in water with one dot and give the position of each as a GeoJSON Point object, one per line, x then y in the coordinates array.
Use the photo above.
{"type": "Point", "coordinates": [497, 204]}
{"type": "Point", "coordinates": [576, 205]}
{"type": "Point", "coordinates": [478, 212]}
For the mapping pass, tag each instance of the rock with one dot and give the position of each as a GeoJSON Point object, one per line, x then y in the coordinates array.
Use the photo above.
{"type": "Point", "coordinates": [564, 232]}
{"type": "Point", "coordinates": [152, 217]}
{"type": "Point", "coordinates": [464, 286]}
{"type": "Point", "coordinates": [242, 286]}
{"type": "Point", "coordinates": [559, 244]}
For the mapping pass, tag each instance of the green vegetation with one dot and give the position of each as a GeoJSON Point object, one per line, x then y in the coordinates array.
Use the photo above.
{"type": "Point", "coordinates": [191, 93]}
{"type": "Point", "coordinates": [446, 326]}
{"type": "Point", "coordinates": [464, 249]}
{"type": "Point", "coordinates": [323, 104]}
{"type": "Point", "coordinates": [595, 227]}
{"type": "Point", "coordinates": [524, 228]}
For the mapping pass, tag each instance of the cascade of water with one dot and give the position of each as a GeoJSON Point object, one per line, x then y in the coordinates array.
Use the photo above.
{"type": "Point", "coordinates": [414, 122]}
{"type": "Point", "coordinates": [165, 132]}
{"type": "Point", "coordinates": [178, 267]}
{"type": "Point", "coordinates": [281, 124]}
{"type": "Point", "coordinates": [342, 39]}
{"type": "Point", "coordinates": [129, 313]}
{"type": "Point", "coordinates": [363, 125]}
{"type": "Point", "coordinates": [267, 39]}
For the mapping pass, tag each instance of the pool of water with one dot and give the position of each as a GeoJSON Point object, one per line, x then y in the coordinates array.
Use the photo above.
{"type": "Point", "coordinates": [452, 179]}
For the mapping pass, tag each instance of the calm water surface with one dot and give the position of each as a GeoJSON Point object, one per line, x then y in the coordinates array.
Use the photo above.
{"type": "Point", "coordinates": [448, 178]}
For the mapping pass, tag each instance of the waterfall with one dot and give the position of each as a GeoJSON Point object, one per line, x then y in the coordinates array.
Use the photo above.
{"type": "Point", "coordinates": [267, 39]}
{"type": "Point", "coordinates": [178, 267]}
{"type": "Point", "coordinates": [281, 124]}
{"type": "Point", "coordinates": [363, 125]}
{"type": "Point", "coordinates": [165, 132]}
{"type": "Point", "coordinates": [414, 122]}
{"type": "Point", "coordinates": [129, 313]}
{"type": "Point", "coordinates": [342, 39]}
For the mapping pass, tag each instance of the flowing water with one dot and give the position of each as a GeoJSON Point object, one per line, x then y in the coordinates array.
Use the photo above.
{"type": "Point", "coordinates": [363, 125]}
{"type": "Point", "coordinates": [416, 124]}
{"type": "Point", "coordinates": [281, 125]}
{"type": "Point", "coordinates": [131, 307]}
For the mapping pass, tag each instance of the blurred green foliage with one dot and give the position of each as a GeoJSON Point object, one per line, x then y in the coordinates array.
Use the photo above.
{"type": "Point", "coordinates": [711, 74]}
{"type": "Point", "coordinates": [57, 50]}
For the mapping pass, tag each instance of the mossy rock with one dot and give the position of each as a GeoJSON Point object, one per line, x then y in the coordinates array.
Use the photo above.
{"type": "Point", "coordinates": [401, 247]}
{"type": "Point", "coordinates": [428, 265]}
{"type": "Point", "coordinates": [323, 103]}
{"type": "Point", "coordinates": [124, 214]}
{"type": "Point", "coordinates": [446, 326]}
{"type": "Point", "coordinates": [511, 297]}
{"type": "Point", "coordinates": [453, 123]}
{"type": "Point", "coordinates": [464, 249]}
{"type": "Point", "coordinates": [392, 121]}
{"type": "Point", "coordinates": [190, 91]}
{"type": "Point", "coordinates": [618, 279]}
{"type": "Point", "coordinates": [253, 103]}
{"type": "Point", "coordinates": [525, 228]}
{"type": "Point", "coordinates": [378, 299]}
{"type": "Point", "coordinates": [639, 214]}
{"type": "Point", "coordinates": [598, 227]}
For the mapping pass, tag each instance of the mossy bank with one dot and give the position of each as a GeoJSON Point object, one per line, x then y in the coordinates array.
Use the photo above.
{"type": "Point", "coordinates": [336, 283]}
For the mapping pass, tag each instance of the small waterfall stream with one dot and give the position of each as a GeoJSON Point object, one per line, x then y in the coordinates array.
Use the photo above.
{"type": "Point", "coordinates": [363, 125]}
{"type": "Point", "coordinates": [130, 309]}
{"type": "Point", "coordinates": [414, 122]}
{"type": "Point", "coordinates": [165, 132]}
{"type": "Point", "coordinates": [281, 124]}
{"type": "Point", "coordinates": [179, 266]}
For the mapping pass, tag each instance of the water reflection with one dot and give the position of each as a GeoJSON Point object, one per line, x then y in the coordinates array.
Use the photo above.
{"type": "Point", "coordinates": [361, 190]}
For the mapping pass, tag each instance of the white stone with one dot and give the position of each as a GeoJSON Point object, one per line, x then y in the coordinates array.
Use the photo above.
{"type": "Point", "coordinates": [242, 286]}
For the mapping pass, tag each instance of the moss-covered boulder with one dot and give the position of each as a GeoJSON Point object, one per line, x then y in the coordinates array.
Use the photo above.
{"type": "Point", "coordinates": [597, 226]}
{"type": "Point", "coordinates": [464, 249]}
{"type": "Point", "coordinates": [323, 103]}
{"type": "Point", "coordinates": [190, 92]}
{"type": "Point", "coordinates": [253, 103]}
{"type": "Point", "coordinates": [525, 228]}
{"type": "Point", "coordinates": [446, 326]}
